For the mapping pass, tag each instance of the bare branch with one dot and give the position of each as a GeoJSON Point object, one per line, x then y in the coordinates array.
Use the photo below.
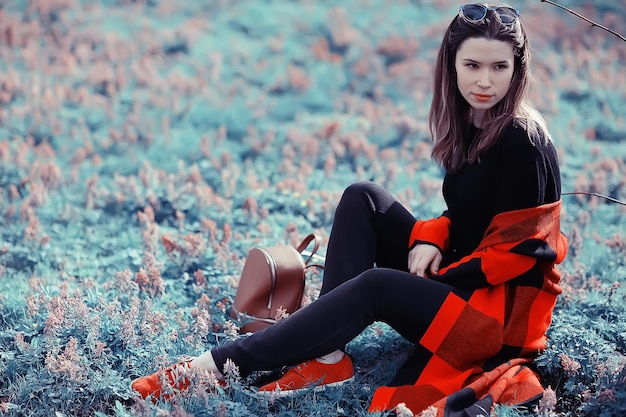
{"type": "Point", "coordinates": [611, 199]}
{"type": "Point", "coordinates": [585, 19]}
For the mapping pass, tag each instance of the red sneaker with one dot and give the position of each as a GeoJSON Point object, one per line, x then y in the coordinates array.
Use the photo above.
{"type": "Point", "coordinates": [173, 380]}
{"type": "Point", "coordinates": [310, 374]}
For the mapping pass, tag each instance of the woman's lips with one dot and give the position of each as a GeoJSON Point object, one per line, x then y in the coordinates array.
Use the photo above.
{"type": "Point", "coordinates": [482, 97]}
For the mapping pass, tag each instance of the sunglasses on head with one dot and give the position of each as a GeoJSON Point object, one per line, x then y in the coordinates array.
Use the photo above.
{"type": "Point", "coordinates": [476, 12]}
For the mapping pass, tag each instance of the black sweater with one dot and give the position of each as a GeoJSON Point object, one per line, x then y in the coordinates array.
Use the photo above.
{"type": "Point", "coordinates": [514, 174]}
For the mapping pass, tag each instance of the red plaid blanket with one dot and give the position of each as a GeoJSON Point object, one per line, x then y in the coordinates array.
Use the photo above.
{"type": "Point", "coordinates": [477, 350]}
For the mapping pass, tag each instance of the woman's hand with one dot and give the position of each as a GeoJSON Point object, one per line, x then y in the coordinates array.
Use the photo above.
{"type": "Point", "coordinates": [424, 260]}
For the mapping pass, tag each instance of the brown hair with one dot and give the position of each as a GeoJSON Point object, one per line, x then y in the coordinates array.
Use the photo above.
{"type": "Point", "coordinates": [449, 117]}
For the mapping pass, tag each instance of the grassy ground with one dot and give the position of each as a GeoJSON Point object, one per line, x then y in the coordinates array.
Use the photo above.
{"type": "Point", "coordinates": [217, 125]}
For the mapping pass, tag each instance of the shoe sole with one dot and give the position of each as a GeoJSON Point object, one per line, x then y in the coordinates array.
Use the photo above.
{"type": "Point", "coordinates": [221, 386]}
{"type": "Point", "coordinates": [311, 388]}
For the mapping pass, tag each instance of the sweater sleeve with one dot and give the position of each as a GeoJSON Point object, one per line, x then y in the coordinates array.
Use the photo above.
{"type": "Point", "coordinates": [529, 175]}
{"type": "Point", "coordinates": [434, 232]}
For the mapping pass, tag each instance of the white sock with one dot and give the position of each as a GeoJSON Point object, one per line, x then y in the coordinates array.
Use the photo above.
{"type": "Point", "coordinates": [206, 361]}
{"type": "Point", "coordinates": [331, 358]}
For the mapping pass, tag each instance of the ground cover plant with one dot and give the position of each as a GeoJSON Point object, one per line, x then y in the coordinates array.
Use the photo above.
{"type": "Point", "coordinates": [146, 145]}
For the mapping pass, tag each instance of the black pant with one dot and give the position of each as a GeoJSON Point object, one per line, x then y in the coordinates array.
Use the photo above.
{"type": "Point", "coordinates": [371, 228]}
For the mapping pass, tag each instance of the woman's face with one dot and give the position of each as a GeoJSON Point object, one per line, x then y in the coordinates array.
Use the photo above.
{"type": "Point", "coordinates": [484, 70]}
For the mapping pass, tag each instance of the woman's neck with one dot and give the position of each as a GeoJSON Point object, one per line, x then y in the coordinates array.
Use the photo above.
{"type": "Point", "coordinates": [477, 118]}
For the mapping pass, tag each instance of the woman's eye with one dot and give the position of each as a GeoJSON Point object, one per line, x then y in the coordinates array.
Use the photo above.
{"type": "Point", "coordinates": [471, 65]}
{"type": "Point", "coordinates": [501, 67]}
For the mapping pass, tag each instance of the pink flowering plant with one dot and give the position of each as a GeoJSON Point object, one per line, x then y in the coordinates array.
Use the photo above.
{"type": "Point", "coordinates": [145, 146]}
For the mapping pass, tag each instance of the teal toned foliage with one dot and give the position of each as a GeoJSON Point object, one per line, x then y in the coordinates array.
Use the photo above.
{"type": "Point", "coordinates": [146, 145]}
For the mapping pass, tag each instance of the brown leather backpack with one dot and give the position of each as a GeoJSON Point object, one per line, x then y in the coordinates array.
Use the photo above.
{"type": "Point", "coordinates": [272, 278]}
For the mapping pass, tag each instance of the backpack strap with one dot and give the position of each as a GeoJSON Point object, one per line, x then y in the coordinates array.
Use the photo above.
{"type": "Point", "coordinates": [311, 237]}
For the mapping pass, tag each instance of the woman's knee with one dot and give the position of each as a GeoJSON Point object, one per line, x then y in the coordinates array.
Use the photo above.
{"type": "Point", "coordinates": [371, 284]}
{"type": "Point", "coordinates": [358, 188]}
{"type": "Point", "coordinates": [362, 191]}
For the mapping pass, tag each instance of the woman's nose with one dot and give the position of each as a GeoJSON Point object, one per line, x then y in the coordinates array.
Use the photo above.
{"type": "Point", "coordinates": [484, 79]}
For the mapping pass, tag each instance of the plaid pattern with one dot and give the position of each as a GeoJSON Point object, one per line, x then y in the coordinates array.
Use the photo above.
{"type": "Point", "coordinates": [476, 351]}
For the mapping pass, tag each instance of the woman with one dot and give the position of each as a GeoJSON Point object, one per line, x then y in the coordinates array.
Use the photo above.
{"type": "Point", "coordinates": [473, 289]}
